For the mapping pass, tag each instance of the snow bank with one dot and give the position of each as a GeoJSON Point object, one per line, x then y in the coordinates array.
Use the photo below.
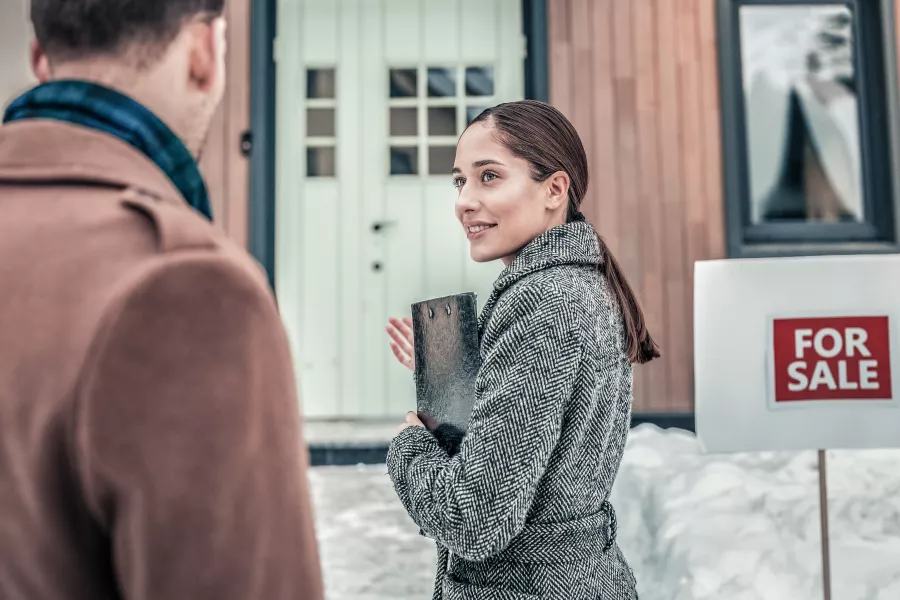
{"type": "Point", "coordinates": [746, 526]}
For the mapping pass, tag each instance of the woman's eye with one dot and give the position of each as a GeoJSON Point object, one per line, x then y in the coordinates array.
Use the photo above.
{"type": "Point", "coordinates": [488, 176]}
{"type": "Point", "coordinates": [458, 182]}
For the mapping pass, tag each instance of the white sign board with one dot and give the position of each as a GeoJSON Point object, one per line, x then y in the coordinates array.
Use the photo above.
{"type": "Point", "coordinates": [797, 353]}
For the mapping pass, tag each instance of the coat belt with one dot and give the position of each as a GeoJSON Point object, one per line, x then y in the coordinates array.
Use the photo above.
{"type": "Point", "coordinates": [575, 540]}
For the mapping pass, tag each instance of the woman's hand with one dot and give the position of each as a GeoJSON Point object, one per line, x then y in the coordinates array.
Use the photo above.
{"type": "Point", "coordinates": [412, 420]}
{"type": "Point", "coordinates": [402, 343]}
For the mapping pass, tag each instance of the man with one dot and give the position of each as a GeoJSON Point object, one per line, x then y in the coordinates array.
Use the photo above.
{"type": "Point", "coordinates": [150, 441]}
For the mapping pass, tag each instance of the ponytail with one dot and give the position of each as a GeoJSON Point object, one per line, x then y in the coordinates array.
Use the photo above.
{"type": "Point", "coordinates": [639, 346]}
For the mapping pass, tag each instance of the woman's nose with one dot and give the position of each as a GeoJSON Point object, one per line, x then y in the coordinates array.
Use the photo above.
{"type": "Point", "coordinates": [466, 201]}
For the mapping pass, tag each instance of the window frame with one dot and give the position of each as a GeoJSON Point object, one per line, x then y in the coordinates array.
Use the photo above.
{"type": "Point", "coordinates": [874, 57]}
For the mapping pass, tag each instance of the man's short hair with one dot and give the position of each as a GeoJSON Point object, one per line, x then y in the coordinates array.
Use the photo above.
{"type": "Point", "coordinates": [78, 29]}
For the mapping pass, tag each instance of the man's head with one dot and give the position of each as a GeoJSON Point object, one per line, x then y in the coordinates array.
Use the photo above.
{"type": "Point", "coordinates": [167, 54]}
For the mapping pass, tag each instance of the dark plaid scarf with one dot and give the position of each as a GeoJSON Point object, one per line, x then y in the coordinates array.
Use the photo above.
{"type": "Point", "coordinates": [98, 107]}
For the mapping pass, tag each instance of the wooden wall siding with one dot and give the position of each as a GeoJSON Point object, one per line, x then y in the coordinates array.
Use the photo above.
{"type": "Point", "coordinates": [226, 170]}
{"type": "Point", "coordinates": [638, 78]}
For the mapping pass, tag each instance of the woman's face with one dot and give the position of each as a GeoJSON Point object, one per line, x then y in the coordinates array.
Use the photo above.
{"type": "Point", "coordinates": [500, 206]}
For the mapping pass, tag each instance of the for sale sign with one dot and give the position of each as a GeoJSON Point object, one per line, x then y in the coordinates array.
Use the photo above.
{"type": "Point", "coordinates": [799, 353]}
{"type": "Point", "coordinates": [831, 358]}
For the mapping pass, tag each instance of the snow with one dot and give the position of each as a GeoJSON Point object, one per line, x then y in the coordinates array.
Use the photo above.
{"type": "Point", "coordinates": [693, 526]}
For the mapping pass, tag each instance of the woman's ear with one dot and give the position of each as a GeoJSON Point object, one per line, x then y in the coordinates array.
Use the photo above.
{"type": "Point", "coordinates": [557, 190]}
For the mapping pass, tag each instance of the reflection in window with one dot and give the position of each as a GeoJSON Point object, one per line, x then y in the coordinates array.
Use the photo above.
{"type": "Point", "coordinates": [404, 121]}
{"type": "Point", "coordinates": [402, 83]}
{"type": "Point", "coordinates": [320, 122]}
{"type": "Point", "coordinates": [440, 159]}
{"type": "Point", "coordinates": [320, 162]}
{"type": "Point", "coordinates": [441, 83]}
{"type": "Point", "coordinates": [404, 160]}
{"type": "Point", "coordinates": [320, 83]}
{"type": "Point", "coordinates": [801, 113]}
{"type": "Point", "coordinates": [441, 120]}
{"type": "Point", "coordinates": [480, 81]}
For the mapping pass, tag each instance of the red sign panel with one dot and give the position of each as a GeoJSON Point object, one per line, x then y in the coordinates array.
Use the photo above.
{"type": "Point", "coordinates": [832, 358]}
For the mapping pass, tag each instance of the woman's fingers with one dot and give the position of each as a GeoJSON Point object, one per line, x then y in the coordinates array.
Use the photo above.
{"type": "Point", "coordinates": [403, 358]}
{"type": "Point", "coordinates": [406, 328]}
{"type": "Point", "coordinates": [402, 344]}
{"type": "Point", "coordinates": [398, 338]}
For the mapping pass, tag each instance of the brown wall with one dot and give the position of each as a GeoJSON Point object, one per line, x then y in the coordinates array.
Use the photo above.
{"type": "Point", "coordinates": [638, 78]}
{"type": "Point", "coordinates": [225, 168]}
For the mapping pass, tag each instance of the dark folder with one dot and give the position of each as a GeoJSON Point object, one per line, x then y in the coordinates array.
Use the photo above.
{"type": "Point", "coordinates": [445, 331]}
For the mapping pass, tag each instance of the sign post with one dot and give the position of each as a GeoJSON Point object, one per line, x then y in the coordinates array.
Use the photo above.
{"type": "Point", "coordinates": [798, 354]}
{"type": "Point", "coordinates": [823, 514]}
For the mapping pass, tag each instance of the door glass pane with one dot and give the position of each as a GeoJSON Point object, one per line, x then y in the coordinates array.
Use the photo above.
{"type": "Point", "coordinates": [440, 159]}
{"type": "Point", "coordinates": [402, 83]}
{"type": "Point", "coordinates": [404, 160]}
{"type": "Point", "coordinates": [320, 122]}
{"type": "Point", "coordinates": [320, 162]}
{"type": "Point", "coordinates": [801, 115]}
{"type": "Point", "coordinates": [320, 83]}
{"type": "Point", "coordinates": [472, 112]}
{"type": "Point", "coordinates": [441, 120]}
{"type": "Point", "coordinates": [441, 83]}
{"type": "Point", "coordinates": [480, 81]}
{"type": "Point", "coordinates": [404, 121]}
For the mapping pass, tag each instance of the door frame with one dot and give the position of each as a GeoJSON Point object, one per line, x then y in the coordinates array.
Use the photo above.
{"type": "Point", "coordinates": [262, 135]}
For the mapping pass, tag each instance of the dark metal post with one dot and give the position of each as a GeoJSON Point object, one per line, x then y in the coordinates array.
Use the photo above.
{"type": "Point", "coordinates": [262, 135]}
{"type": "Point", "coordinates": [823, 514]}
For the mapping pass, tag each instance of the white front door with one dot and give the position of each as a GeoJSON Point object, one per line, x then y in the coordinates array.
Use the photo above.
{"type": "Point", "coordinates": [372, 96]}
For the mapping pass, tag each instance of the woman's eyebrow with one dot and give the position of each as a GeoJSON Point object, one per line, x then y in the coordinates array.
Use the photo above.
{"type": "Point", "coordinates": [480, 163]}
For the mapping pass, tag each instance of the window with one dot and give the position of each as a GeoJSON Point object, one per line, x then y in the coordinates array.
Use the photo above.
{"type": "Point", "coordinates": [804, 112]}
{"type": "Point", "coordinates": [321, 123]}
{"type": "Point", "coordinates": [429, 106]}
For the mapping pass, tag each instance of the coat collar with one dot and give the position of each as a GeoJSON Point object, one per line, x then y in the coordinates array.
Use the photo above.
{"type": "Point", "coordinates": [104, 109]}
{"type": "Point", "coordinates": [48, 151]}
{"type": "Point", "coordinates": [570, 244]}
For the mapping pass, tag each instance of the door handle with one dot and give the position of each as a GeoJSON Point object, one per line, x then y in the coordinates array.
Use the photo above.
{"type": "Point", "coordinates": [379, 226]}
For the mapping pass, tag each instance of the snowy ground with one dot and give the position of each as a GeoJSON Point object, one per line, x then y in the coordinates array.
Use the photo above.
{"type": "Point", "coordinates": [694, 527]}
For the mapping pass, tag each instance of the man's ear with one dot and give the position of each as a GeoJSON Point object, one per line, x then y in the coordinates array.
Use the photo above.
{"type": "Point", "coordinates": [40, 64]}
{"type": "Point", "coordinates": [208, 47]}
{"type": "Point", "coordinates": [557, 186]}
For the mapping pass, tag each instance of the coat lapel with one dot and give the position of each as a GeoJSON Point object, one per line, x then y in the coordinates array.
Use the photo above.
{"type": "Point", "coordinates": [569, 244]}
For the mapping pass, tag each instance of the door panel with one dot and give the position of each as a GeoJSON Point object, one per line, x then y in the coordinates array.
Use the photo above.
{"type": "Point", "coordinates": [370, 193]}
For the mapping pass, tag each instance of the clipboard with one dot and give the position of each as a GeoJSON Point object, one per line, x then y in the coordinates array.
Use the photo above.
{"type": "Point", "coordinates": [445, 332]}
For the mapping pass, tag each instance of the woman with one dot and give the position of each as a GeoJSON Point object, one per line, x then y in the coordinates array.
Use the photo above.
{"type": "Point", "coordinates": [521, 510]}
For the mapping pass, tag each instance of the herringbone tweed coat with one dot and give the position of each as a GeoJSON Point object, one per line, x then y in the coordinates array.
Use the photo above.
{"type": "Point", "coordinates": [521, 512]}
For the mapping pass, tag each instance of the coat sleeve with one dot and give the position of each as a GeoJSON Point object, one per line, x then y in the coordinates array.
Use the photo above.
{"type": "Point", "coordinates": [476, 502]}
{"type": "Point", "coordinates": [189, 444]}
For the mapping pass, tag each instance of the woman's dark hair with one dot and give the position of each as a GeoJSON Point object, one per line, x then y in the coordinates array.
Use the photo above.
{"type": "Point", "coordinates": [540, 134]}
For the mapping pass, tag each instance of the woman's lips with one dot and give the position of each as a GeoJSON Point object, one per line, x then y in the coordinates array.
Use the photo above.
{"type": "Point", "coordinates": [477, 231]}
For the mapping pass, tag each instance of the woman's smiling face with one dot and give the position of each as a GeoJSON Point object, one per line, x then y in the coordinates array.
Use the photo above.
{"type": "Point", "coordinates": [501, 207]}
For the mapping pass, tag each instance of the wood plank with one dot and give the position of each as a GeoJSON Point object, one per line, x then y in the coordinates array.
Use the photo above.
{"type": "Point", "coordinates": [560, 50]}
{"type": "Point", "coordinates": [711, 127]}
{"type": "Point", "coordinates": [601, 207]}
{"type": "Point", "coordinates": [676, 284]}
{"type": "Point", "coordinates": [692, 147]}
{"type": "Point", "coordinates": [237, 120]}
{"type": "Point", "coordinates": [353, 192]}
{"type": "Point", "coordinates": [649, 200]}
{"type": "Point", "coordinates": [627, 251]}
{"type": "Point", "coordinates": [582, 101]}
